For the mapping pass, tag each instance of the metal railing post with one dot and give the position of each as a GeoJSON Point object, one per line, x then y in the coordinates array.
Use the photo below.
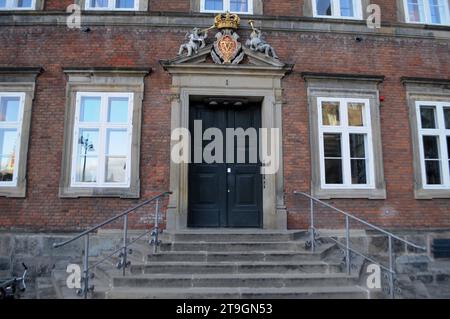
{"type": "Point", "coordinates": [86, 267]}
{"type": "Point", "coordinates": [156, 229]}
{"type": "Point", "coordinates": [391, 268]}
{"type": "Point", "coordinates": [347, 245]}
{"type": "Point", "coordinates": [125, 253]}
{"type": "Point", "coordinates": [312, 230]}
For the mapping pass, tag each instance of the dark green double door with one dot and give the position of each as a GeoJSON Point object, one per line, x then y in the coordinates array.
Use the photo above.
{"type": "Point", "coordinates": [227, 193]}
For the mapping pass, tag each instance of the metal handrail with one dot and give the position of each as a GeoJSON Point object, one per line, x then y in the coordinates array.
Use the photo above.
{"type": "Point", "coordinates": [349, 250]}
{"type": "Point", "coordinates": [111, 220]}
{"type": "Point", "coordinates": [124, 263]}
{"type": "Point", "coordinates": [381, 230]}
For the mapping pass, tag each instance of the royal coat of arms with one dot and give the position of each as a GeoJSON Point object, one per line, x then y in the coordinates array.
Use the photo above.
{"type": "Point", "coordinates": [227, 47]}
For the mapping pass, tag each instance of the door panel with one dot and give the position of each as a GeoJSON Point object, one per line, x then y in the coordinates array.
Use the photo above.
{"type": "Point", "coordinates": [220, 194]}
{"type": "Point", "coordinates": [244, 179]}
{"type": "Point", "coordinates": [207, 182]}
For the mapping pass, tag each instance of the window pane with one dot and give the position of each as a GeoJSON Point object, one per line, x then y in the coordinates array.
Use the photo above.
{"type": "Point", "coordinates": [347, 8]}
{"type": "Point", "coordinates": [433, 170]}
{"type": "Point", "coordinates": [448, 151]}
{"type": "Point", "coordinates": [447, 117]}
{"type": "Point", "coordinates": [324, 7]}
{"type": "Point", "coordinates": [239, 5]}
{"type": "Point", "coordinates": [214, 5]}
{"type": "Point", "coordinates": [333, 171]}
{"type": "Point", "coordinates": [8, 142]}
{"type": "Point", "coordinates": [416, 11]}
{"type": "Point", "coordinates": [99, 3]}
{"type": "Point", "coordinates": [117, 143]}
{"type": "Point", "coordinates": [9, 109]}
{"type": "Point", "coordinates": [431, 147]}
{"type": "Point", "coordinates": [357, 146]}
{"type": "Point", "coordinates": [2, 3]}
{"type": "Point", "coordinates": [355, 114]}
{"type": "Point", "coordinates": [332, 145]}
{"type": "Point", "coordinates": [116, 169]}
{"type": "Point", "coordinates": [428, 116]}
{"type": "Point", "coordinates": [359, 175]}
{"type": "Point", "coordinates": [129, 4]}
{"type": "Point", "coordinates": [118, 110]}
{"type": "Point", "coordinates": [88, 143]}
{"type": "Point", "coordinates": [87, 169]}
{"type": "Point", "coordinates": [330, 114]}
{"type": "Point", "coordinates": [7, 164]}
{"type": "Point", "coordinates": [448, 146]}
{"type": "Point", "coordinates": [90, 109]}
{"type": "Point", "coordinates": [437, 10]}
{"type": "Point", "coordinates": [24, 3]}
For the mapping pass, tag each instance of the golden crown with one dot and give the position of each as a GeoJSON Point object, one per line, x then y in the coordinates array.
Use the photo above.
{"type": "Point", "coordinates": [227, 21]}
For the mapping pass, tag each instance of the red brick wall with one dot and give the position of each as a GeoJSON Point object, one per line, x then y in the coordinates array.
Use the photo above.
{"type": "Point", "coordinates": [287, 8]}
{"type": "Point", "coordinates": [170, 5]}
{"type": "Point", "coordinates": [54, 48]}
{"type": "Point", "coordinates": [59, 5]}
{"type": "Point", "coordinates": [283, 8]}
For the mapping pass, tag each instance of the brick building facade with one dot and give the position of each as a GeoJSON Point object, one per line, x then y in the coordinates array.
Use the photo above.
{"type": "Point", "coordinates": [391, 68]}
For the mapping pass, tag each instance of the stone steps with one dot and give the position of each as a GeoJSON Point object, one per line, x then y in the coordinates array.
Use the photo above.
{"type": "Point", "coordinates": [234, 280]}
{"type": "Point", "coordinates": [233, 246]}
{"type": "Point", "coordinates": [234, 267]}
{"type": "Point", "coordinates": [203, 256]}
{"type": "Point", "coordinates": [229, 264]}
{"type": "Point", "coordinates": [332, 292]}
{"type": "Point", "coordinates": [233, 236]}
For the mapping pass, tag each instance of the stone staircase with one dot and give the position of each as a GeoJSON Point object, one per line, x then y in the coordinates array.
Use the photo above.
{"type": "Point", "coordinates": [228, 264]}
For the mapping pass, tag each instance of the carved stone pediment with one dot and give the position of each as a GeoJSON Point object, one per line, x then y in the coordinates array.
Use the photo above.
{"type": "Point", "coordinates": [252, 58]}
{"type": "Point", "coordinates": [227, 49]}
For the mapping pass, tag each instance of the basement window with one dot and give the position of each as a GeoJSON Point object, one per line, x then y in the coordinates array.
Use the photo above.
{"type": "Point", "coordinates": [119, 5]}
{"type": "Point", "coordinates": [17, 4]}
{"type": "Point", "coordinates": [340, 9]}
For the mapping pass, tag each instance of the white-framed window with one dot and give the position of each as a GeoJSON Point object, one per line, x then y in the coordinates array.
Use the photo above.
{"type": "Point", "coordinates": [427, 11]}
{"type": "Point", "coordinates": [234, 6]}
{"type": "Point", "coordinates": [433, 119]}
{"type": "Point", "coordinates": [120, 5]}
{"type": "Point", "coordinates": [102, 140]}
{"type": "Point", "coordinates": [17, 4]}
{"type": "Point", "coordinates": [341, 9]}
{"type": "Point", "coordinates": [345, 137]}
{"type": "Point", "coordinates": [11, 118]}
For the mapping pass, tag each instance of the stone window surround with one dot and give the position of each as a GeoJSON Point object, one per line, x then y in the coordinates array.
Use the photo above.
{"type": "Point", "coordinates": [143, 6]}
{"type": "Point", "coordinates": [345, 86]}
{"type": "Point", "coordinates": [20, 80]}
{"type": "Point", "coordinates": [102, 80]}
{"type": "Point", "coordinates": [422, 89]}
{"type": "Point", "coordinates": [257, 7]}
